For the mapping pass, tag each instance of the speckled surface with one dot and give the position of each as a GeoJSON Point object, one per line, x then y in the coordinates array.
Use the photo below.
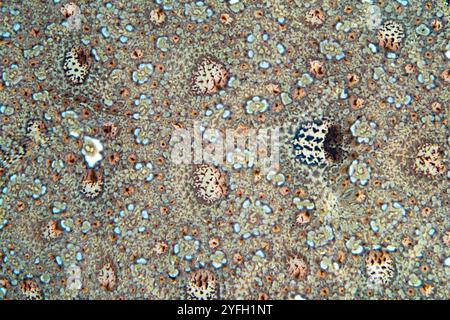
{"type": "Point", "coordinates": [94, 206]}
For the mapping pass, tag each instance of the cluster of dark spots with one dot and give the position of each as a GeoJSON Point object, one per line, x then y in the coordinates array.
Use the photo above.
{"type": "Point", "coordinates": [333, 143]}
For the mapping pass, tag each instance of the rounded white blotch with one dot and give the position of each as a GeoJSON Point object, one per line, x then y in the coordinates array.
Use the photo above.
{"type": "Point", "coordinates": [91, 151]}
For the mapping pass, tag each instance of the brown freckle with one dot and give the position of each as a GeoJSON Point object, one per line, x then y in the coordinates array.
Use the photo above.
{"type": "Point", "coordinates": [48, 162]}
{"type": "Point", "coordinates": [392, 120]}
{"type": "Point", "coordinates": [428, 55]}
{"type": "Point", "coordinates": [112, 63]}
{"type": "Point", "coordinates": [425, 211]}
{"type": "Point", "coordinates": [154, 84]}
{"type": "Point", "coordinates": [424, 268]}
{"type": "Point", "coordinates": [284, 191]}
{"type": "Point", "coordinates": [164, 210]}
{"type": "Point", "coordinates": [351, 36]}
{"type": "Point", "coordinates": [20, 206]}
{"type": "Point", "coordinates": [261, 117]}
{"type": "Point", "coordinates": [34, 32]}
{"type": "Point", "coordinates": [436, 107]}
{"type": "Point", "coordinates": [86, 28]}
{"type": "Point", "coordinates": [263, 296]}
{"type": "Point", "coordinates": [205, 28]}
{"type": "Point", "coordinates": [124, 92]}
{"type": "Point", "coordinates": [113, 158]}
{"type": "Point", "coordinates": [55, 177]}
{"type": "Point", "coordinates": [127, 190]}
{"type": "Point", "coordinates": [258, 13]}
{"type": "Point", "coordinates": [425, 289]}
{"type": "Point", "coordinates": [159, 176]}
{"type": "Point", "coordinates": [136, 54]}
{"type": "Point", "coordinates": [348, 9]}
{"type": "Point", "coordinates": [300, 192]}
{"type": "Point", "coordinates": [308, 289]}
{"type": "Point", "coordinates": [372, 84]}
{"type": "Point", "coordinates": [132, 158]}
{"type": "Point", "coordinates": [109, 48]}
{"type": "Point", "coordinates": [243, 66]}
{"type": "Point", "coordinates": [70, 158]}
{"type": "Point", "coordinates": [97, 106]}
{"type": "Point", "coordinates": [163, 144]}
{"type": "Point", "coordinates": [33, 63]}
{"type": "Point", "coordinates": [160, 161]}
{"type": "Point", "coordinates": [321, 274]}
{"type": "Point", "coordinates": [413, 116]}
{"type": "Point", "coordinates": [299, 93]}
{"type": "Point", "coordinates": [352, 79]}
{"type": "Point", "coordinates": [356, 102]}
{"type": "Point", "coordinates": [324, 291]}
{"type": "Point", "coordinates": [436, 25]}
{"type": "Point", "coordinates": [26, 92]}
{"type": "Point", "coordinates": [237, 258]}
{"type": "Point", "coordinates": [277, 107]}
{"type": "Point", "coordinates": [65, 102]}
{"type": "Point", "coordinates": [85, 113]}
{"type": "Point", "coordinates": [109, 212]}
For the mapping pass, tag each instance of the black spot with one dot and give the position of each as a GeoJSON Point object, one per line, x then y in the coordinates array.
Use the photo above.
{"type": "Point", "coordinates": [333, 143]}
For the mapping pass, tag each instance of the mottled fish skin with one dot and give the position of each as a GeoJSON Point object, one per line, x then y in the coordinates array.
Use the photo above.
{"type": "Point", "coordinates": [217, 149]}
